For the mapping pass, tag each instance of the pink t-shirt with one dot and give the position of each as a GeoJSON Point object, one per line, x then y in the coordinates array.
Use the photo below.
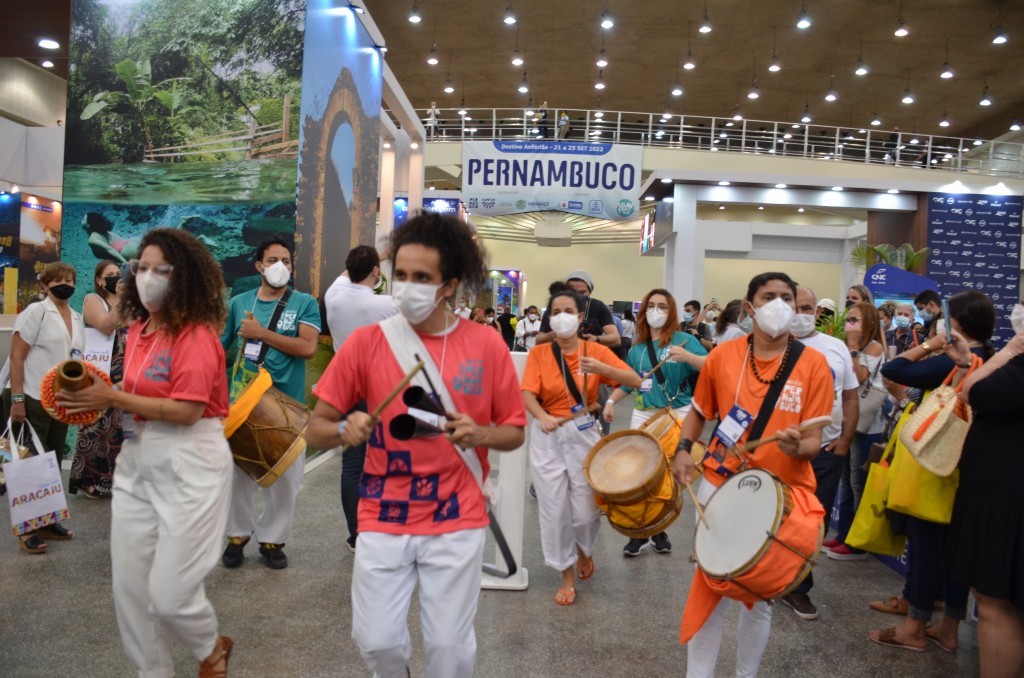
{"type": "Point", "coordinates": [422, 486]}
{"type": "Point", "coordinates": [191, 367]}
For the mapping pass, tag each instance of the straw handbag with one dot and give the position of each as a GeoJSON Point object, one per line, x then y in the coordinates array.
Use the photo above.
{"type": "Point", "coordinates": [935, 433]}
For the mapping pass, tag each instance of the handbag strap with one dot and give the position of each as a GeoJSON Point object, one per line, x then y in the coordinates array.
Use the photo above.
{"type": "Point", "coordinates": [272, 325]}
{"type": "Point", "coordinates": [796, 349]}
{"type": "Point", "coordinates": [570, 382]}
{"type": "Point", "coordinates": [976, 362]}
{"type": "Point", "coordinates": [871, 377]}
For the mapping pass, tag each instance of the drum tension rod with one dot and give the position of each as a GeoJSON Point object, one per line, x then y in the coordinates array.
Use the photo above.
{"type": "Point", "coordinates": [782, 543]}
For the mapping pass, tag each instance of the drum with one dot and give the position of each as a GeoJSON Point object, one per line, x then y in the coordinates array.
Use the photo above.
{"type": "Point", "coordinates": [265, 430]}
{"type": "Point", "coordinates": [762, 537]}
{"type": "Point", "coordinates": [632, 483]}
{"type": "Point", "coordinates": [666, 426]}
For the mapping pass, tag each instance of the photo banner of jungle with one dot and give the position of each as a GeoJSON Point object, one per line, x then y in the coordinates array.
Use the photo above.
{"type": "Point", "coordinates": [182, 113]}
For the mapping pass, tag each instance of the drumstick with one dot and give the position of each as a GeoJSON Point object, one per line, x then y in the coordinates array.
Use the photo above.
{"type": "Point", "coordinates": [696, 505]}
{"type": "Point", "coordinates": [566, 420]}
{"type": "Point", "coordinates": [375, 415]}
{"type": "Point", "coordinates": [809, 425]}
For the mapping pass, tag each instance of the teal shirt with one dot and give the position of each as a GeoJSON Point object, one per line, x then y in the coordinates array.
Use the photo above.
{"type": "Point", "coordinates": [289, 372]}
{"type": "Point", "coordinates": [677, 375]}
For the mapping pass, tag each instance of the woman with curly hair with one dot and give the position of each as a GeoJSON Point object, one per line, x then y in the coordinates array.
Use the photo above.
{"type": "Point", "coordinates": [173, 477]}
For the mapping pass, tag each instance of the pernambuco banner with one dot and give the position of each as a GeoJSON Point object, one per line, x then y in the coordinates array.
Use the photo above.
{"type": "Point", "coordinates": [594, 179]}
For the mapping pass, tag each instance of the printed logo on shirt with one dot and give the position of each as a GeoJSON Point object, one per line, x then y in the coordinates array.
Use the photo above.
{"type": "Point", "coordinates": [394, 512]}
{"type": "Point", "coordinates": [791, 398]}
{"type": "Point", "coordinates": [286, 322]}
{"type": "Point", "coordinates": [160, 368]}
{"type": "Point", "coordinates": [424, 488]}
{"type": "Point", "coordinates": [447, 510]}
{"type": "Point", "coordinates": [399, 463]}
{"type": "Point", "coordinates": [371, 487]}
{"type": "Point", "coordinates": [471, 378]}
{"type": "Point", "coordinates": [377, 436]}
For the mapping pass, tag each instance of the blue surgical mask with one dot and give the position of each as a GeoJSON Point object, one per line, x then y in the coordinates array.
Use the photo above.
{"type": "Point", "coordinates": [747, 324]}
{"type": "Point", "coordinates": [901, 322]}
{"type": "Point", "coordinates": [687, 317]}
{"type": "Point", "coordinates": [926, 316]}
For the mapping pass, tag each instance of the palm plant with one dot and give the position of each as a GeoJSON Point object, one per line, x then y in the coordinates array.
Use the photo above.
{"type": "Point", "coordinates": [904, 256]}
{"type": "Point", "coordinates": [833, 325]}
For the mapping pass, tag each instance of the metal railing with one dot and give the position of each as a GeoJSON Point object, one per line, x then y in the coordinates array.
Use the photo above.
{"type": "Point", "coordinates": [694, 132]}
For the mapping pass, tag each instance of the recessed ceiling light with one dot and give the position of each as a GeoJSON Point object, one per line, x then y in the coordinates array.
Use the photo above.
{"type": "Point", "coordinates": [47, 64]}
{"type": "Point", "coordinates": [837, 188]}
{"type": "Point", "coordinates": [893, 191]}
{"type": "Point", "coordinates": [723, 183]}
{"type": "Point", "coordinates": [760, 207]}
{"type": "Point", "coordinates": [46, 43]}
{"type": "Point", "coordinates": [781, 186]}
{"type": "Point", "coordinates": [800, 209]}
{"type": "Point", "coordinates": [666, 181]}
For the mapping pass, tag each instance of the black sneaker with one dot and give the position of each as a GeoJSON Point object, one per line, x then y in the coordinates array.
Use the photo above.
{"type": "Point", "coordinates": [273, 556]}
{"type": "Point", "coordinates": [233, 554]}
{"type": "Point", "coordinates": [350, 542]}
{"type": "Point", "coordinates": [661, 543]}
{"type": "Point", "coordinates": [633, 547]}
{"type": "Point", "coordinates": [802, 605]}
{"type": "Point", "coordinates": [533, 491]}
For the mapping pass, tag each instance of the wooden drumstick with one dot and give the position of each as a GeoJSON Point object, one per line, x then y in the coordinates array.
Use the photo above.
{"type": "Point", "coordinates": [810, 425]}
{"type": "Point", "coordinates": [566, 420]}
{"type": "Point", "coordinates": [375, 415]}
{"type": "Point", "coordinates": [696, 505]}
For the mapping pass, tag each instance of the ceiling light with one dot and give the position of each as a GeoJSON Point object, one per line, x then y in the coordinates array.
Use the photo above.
{"type": "Point", "coordinates": [690, 62]}
{"type": "Point", "coordinates": [945, 120]}
{"type": "Point", "coordinates": [1015, 126]}
{"type": "Point", "coordinates": [787, 135]}
{"type": "Point", "coordinates": [705, 25]}
{"type": "Point", "coordinates": [723, 183]}
{"type": "Point", "coordinates": [908, 97]}
{"type": "Point", "coordinates": [432, 56]}
{"type": "Point", "coordinates": [47, 64]}
{"type": "Point", "coordinates": [414, 15]}
{"type": "Point", "coordinates": [606, 20]}
{"type": "Point", "coordinates": [977, 142]}
{"type": "Point", "coordinates": [800, 209]}
{"type": "Point", "coordinates": [449, 86]}
{"type": "Point", "coordinates": [387, 144]}
{"type": "Point", "coordinates": [861, 69]}
{"type": "Point", "coordinates": [837, 188]}
{"type": "Point", "coordinates": [986, 100]}
{"type": "Point", "coordinates": [666, 181]}
{"type": "Point", "coordinates": [721, 207]}
{"type": "Point", "coordinates": [831, 95]}
{"type": "Point", "coordinates": [901, 29]}
{"type": "Point", "coordinates": [46, 43]}
{"type": "Point", "coordinates": [803, 21]}
{"type": "Point", "coordinates": [517, 58]}
{"type": "Point", "coordinates": [414, 145]}
{"type": "Point", "coordinates": [723, 135]}
{"type": "Point", "coordinates": [754, 92]}
{"type": "Point", "coordinates": [730, 124]}
{"type": "Point", "coordinates": [875, 120]}
{"type": "Point", "coordinates": [807, 114]}
{"type": "Point", "coordinates": [431, 187]}
{"type": "Point", "coordinates": [775, 65]}
{"type": "Point", "coordinates": [914, 140]}
{"type": "Point", "coordinates": [600, 80]}
{"type": "Point", "coordinates": [462, 107]}
{"type": "Point", "coordinates": [893, 191]}
{"type": "Point", "coordinates": [649, 198]}
{"type": "Point", "coordinates": [1000, 37]}
{"type": "Point", "coordinates": [602, 59]}
{"type": "Point", "coordinates": [659, 134]}
{"type": "Point", "coordinates": [677, 89]}
{"type": "Point", "coordinates": [510, 16]}
{"type": "Point", "coordinates": [736, 113]}
{"type": "Point", "coordinates": [760, 207]}
{"type": "Point", "coordinates": [598, 114]}
{"type": "Point", "coordinates": [668, 199]}
{"type": "Point", "coordinates": [781, 186]}
{"type": "Point", "coordinates": [947, 71]}
{"type": "Point", "coordinates": [383, 49]}
{"type": "Point", "coordinates": [524, 86]}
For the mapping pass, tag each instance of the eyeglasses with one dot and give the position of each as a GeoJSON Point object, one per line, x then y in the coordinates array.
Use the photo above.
{"type": "Point", "coordinates": [137, 268]}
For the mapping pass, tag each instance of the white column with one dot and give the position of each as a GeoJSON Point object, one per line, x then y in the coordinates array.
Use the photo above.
{"type": "Point", "coordinates": [386, 221]}
{"type": "Point", "coordinates": [684, 249]}
{"type": "Point", "coordinates": [416, 176]}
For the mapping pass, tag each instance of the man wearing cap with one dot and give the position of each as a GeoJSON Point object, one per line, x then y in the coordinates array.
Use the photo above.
{"type": "Point", "coordinates": [598, 324]}
{"type": "Point", "coordinates": [826, 308]}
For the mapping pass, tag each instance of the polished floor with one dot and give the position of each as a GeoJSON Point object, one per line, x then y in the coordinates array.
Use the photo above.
{"type": "Point", "coordinates": [57, 618]}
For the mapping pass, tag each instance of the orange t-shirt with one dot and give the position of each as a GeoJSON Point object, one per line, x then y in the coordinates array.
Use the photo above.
{"type": "Point", "coordinates": [543, 376]}
{"type": "Point", "coordinates": [808, 394]}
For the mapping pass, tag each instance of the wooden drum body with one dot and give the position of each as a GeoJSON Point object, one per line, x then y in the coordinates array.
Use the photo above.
{"type": "Point", "coordinates": [629, 474]}
{"type": "Point", "coordinates": [762, 536]}
{"type": "Point", "coordinates": [265, 430]}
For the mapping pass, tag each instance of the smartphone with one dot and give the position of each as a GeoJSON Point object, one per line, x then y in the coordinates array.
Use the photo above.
{"type": "Point", "coordinates": [945, 321]}
{"type": "Point", "coordinates": [126, 271]}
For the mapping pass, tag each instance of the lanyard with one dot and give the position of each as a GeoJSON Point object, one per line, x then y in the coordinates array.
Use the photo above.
{"type": "Point", "coordinates": [145, 361]}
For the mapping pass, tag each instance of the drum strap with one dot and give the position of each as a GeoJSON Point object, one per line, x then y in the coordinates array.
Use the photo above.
{"type": "Point", "coordinates": [405, 345]}
{"type": "Point", "coordinates": [570, 382]}
{"type": "Point", "coordinates": [272, 325]}
{"type": "Point", "coordinates": [653, 357]}
{"type": "Point", "coordinates": [774, 391]}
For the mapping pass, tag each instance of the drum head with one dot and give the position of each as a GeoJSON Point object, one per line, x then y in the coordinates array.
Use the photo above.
{"type": "Point", "coordinates": [741, 513]}
{"type": "Point", "coordinates": [623, 462]}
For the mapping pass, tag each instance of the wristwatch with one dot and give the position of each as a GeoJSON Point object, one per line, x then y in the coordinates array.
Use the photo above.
{"type": "Point", "coordinates": [926, 347]}
{"type": "Point", "coordinates": [854, 354]}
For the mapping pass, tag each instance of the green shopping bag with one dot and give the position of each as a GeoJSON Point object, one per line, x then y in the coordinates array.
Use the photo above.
{"type": "Point", "coordinates": [871, 529]}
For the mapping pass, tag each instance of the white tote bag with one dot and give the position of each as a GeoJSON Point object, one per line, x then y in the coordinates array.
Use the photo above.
{"type": "Point", "coordinates": [35, 492]}
{"type": "Point", "coordinates": [99, 349]}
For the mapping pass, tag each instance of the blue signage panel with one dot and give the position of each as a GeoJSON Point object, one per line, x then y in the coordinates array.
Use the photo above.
{"type": "Point", "coordinates": [975, 245]}
{"type": "Point", "coordinates": [888, 281]}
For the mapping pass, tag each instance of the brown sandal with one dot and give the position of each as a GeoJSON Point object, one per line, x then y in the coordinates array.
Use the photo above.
{"type": "Point", "coordinates": [32, 543]}
{"type": "Point", "coordinates": [895, 605]}
{"type": "Point", "coordinates": [888, 637]}
{"type": "Point", "coordinates": [216, 665]}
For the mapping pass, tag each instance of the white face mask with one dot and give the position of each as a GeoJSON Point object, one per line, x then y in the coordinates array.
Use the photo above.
{"type": "Point", "coordinates": [564, 325]}
{"type": "Point", "coordinates": [379, 284]}
{"type": "Point", "coordinates": [656, 318]}
{"type": "Point", "coordinates": [416, 301]}
{"type": "Point", "coordinates": [532, 317]}
{"type": "Point", "coordinates": [277, 274]}
{"type": "Point", "coordinates": [152, 289]}
{"type": "Point", "coordinates": [1017, 318]}
{"type": "Point", "coordinates": [711, 316]}
{"type": "Point", "coordinates": [802, 325]}
{"type": "Point", "coordinates": [774, 317]}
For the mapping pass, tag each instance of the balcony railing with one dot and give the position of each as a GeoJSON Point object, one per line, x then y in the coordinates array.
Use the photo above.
{"type": "Point", "coordinates": [694, 132]}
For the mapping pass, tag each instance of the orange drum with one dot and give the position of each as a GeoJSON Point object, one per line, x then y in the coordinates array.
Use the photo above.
{"type": "Point", "coordinates": [630, 478]}
{"type": "Point", "coordinates": [265, 430]}
{"type": "Point", "coordinates": [666, 426]}
{"type": "Point", "coordinates": [762, 537]}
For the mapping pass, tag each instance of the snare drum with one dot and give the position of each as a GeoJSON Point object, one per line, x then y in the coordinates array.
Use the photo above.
{"type": "Point", "coordinates": [265, 430]}
{"type": "Point", "coordinates": [762, 537]}
{"type": "Point", "coordinates": [630, 478]}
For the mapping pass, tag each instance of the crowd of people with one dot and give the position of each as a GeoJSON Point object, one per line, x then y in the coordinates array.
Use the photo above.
{"type": "Point", "coordinates": [763, 366]}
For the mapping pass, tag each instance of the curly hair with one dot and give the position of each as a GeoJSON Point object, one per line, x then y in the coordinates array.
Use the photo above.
{"type": "Point", "coordinates": [643, 330]}
{"type": "Point", "coordinates": [462, 256]}
{"type": "Point", "coordinates": [196, 294]}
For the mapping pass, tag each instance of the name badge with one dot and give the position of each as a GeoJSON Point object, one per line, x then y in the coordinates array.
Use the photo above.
{"type": "Point", "coordinates": [252, 350]}
{"type": "Point", "coordinates": [584, 422]}
{"type": "Point", "coordinates": [646, 385]}
{"type": "Point", "coordinates": [733, 426]}
{"type": "Point", "coordinates": [128, 425]}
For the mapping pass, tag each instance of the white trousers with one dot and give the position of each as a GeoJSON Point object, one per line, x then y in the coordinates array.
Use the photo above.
{"type": "Point", "coordinates": [274, 523]}
{"type": "Point", "coordinates": [641, 416]}
{"type": "Point", "coordinates": [568, 512]}
{"type": "Point", "coordinates": [170, 503]}
{"type": "Point", "coordinates": [751, 633]}
{"type": "Point", "coordinates": [386, 570]}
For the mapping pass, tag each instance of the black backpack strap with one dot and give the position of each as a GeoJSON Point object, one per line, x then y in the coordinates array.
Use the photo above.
{"type": "Point", "coordinates": [272, 325]}
{"type": "Point", "coordinates": [653, 357]}
{"type": "Point", "coordinates": [796, 349]}
{"type": "Point", "coordinates": [564, 369]}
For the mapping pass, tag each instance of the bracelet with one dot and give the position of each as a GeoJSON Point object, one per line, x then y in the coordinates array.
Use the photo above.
{"type": "Point", "coordinates": [964, 367]}
{"type": "Point", "coordinates": [926, 347]}
{"type": "Point", "coordinates": [341, 426]}
{"type": "Point", "coordinates": [609, 402]}
{"type": "Point", "coordinates": [685, 444]}
{"type": "Point", "coordinates": [17, 397]}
